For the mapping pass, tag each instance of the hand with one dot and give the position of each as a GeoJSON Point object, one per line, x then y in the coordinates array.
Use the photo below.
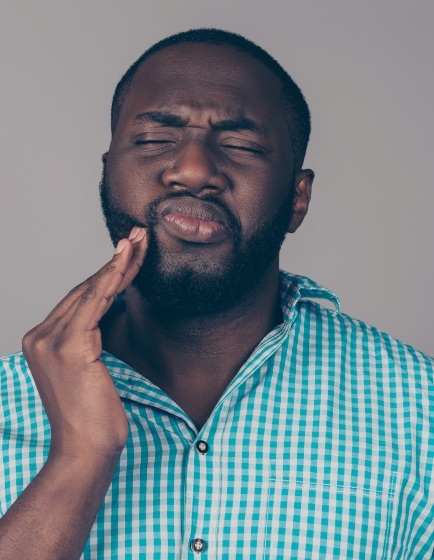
{"type": "Point", "coordinates": [63, 352]}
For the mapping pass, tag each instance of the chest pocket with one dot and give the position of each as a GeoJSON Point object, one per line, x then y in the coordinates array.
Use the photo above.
{"type": "Point", "coordinates": [326, 518]}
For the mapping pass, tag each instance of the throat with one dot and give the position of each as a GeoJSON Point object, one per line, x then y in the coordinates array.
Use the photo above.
{"type": "Point", "coordinates": [197, 405]}
{"type": "Point", "coordinates": [195, 384]}
{"type": "Point", "coordinates": [194, 377]}
{"type": "Point", "coordinates": [193, 361]}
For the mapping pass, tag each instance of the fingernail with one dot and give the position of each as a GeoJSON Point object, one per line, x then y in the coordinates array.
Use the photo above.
{"type": "Point", "coordinates": [133, 233]}
{"type": "Point", "coordinates": [120, 246]}
{"type": "Point", "coordinates": [139, 235]}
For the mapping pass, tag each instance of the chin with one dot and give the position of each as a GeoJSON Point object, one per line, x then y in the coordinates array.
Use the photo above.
{"type": "Point", "coordinates": [191, 287]}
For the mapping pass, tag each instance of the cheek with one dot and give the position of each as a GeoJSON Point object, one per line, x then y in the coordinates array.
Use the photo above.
{"type": "Point", "coordinates": [131, 184]}
{"type": "Point", "coordinates": [258, 202]}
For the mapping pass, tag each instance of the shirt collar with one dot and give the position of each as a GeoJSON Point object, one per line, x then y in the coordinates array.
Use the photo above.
{"type": "Point", "coordinates": [294, 288]}
{"type": "Point", "coordinates": [133, 386]}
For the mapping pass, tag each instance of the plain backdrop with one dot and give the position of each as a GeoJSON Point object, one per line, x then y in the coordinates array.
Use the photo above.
{"type": "Point", "coordinates": [366, 71]}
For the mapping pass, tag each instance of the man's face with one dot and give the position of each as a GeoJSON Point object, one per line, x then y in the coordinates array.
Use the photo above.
{"type": "Point", "coordinates": [202, 158]}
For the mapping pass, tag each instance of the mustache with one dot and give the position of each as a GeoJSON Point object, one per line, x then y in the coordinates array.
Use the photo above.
{"type": "Point", "coordinates": [119, 223]}
{"type": "Point", "coordinates": [152, 217]}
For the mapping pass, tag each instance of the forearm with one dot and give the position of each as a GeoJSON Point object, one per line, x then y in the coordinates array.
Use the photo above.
{"type": "Point", "coordinates": [53, 516]}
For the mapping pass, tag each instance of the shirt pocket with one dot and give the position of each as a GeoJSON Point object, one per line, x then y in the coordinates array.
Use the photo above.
{"type": "Point", "coordinates": [325, 517]}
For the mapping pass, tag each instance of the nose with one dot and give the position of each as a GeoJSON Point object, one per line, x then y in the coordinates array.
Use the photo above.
{"type": "Point", "coordinates": [194, 170]}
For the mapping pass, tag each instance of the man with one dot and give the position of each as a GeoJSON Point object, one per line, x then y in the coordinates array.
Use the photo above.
{"type": "Point", "coordinates": [212, 410]}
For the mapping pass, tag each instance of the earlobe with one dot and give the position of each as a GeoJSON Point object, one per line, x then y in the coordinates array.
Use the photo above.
{"type": "Point", "coordinates": [104, 158]}
{"type": "Point", "coordinates": [302, 196]}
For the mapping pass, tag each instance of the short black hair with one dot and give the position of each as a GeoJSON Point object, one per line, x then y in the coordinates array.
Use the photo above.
{"type": "Point", "coordinates": [296, 108]}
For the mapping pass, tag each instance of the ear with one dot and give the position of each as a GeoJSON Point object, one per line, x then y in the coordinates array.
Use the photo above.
{"type": "Point", "coordinates": [104, 165]}
{"type": "Point", "coordinates": [302, 195]}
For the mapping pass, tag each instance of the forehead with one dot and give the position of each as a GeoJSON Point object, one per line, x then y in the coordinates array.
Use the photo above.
{"type": "Point", "coordinates": [200, 77]}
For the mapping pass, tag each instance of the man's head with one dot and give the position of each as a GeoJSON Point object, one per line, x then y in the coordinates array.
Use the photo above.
{"type": "Point", "coordinates": [209, 135]}
{"type": "Point", "coordinates": [296, 109]}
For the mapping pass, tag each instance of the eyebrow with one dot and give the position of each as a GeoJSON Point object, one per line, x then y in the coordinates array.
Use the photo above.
{"type": "Point", "coordinates": [170, 119]}
{"type": "Point", "coordinates": [161, 117]}
{"type": "Point", "coordinates": [241, 123]}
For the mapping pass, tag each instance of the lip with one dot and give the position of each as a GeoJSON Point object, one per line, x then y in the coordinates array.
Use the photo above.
{"type": "Point", "coordinates": [194, 220]}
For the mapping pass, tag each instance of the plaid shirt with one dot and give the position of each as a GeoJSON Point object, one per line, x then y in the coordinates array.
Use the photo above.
{"type": "Point", "coordinates": [322, 446]}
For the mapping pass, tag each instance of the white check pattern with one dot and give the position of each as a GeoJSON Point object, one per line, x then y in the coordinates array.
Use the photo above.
{"type": "Point", "coordinates": [321, 447]}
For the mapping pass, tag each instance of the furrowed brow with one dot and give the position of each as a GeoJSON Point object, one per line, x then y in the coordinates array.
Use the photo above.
{"type": "Point", "coordinates": [160, 117]}
{"type": "Point", "coordinates": [241, 123]}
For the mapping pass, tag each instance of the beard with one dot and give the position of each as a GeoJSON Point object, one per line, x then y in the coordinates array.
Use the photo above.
{"type": "Point", "coordinates": [190, 283]}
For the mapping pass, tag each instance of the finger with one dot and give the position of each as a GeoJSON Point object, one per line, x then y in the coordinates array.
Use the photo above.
{"type": "Point", "coordinates": [60, 318]}
{"type": "Point", "coordinates": [140, 244]}
{"type": "Point", "coordinates": [97, 299]}
{"type": "Point", "coordinates": [91, 286]}
{"type": "Point", "coordinates": [140, 249]}
{"type": "Point", "coordinates": [138, 238]}
{"type": "Point", "coordinates": [69, 300]}
{"type": "Point", "coordinates": [67, 306]}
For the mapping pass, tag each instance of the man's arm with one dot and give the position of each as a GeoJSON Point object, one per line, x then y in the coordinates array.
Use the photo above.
{"type": "Point", "coordinates": [53, 516]}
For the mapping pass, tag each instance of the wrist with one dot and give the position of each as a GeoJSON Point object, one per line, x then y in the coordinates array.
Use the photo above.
{"type": "Point", "coordinates": [73, 457]}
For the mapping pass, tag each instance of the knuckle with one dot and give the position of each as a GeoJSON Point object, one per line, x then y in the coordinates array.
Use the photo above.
{"type": "Point", "coordinates": [61, 350]}
{"type": "Point", "coordinates": [73, 291]}
{"type": "Point", "coordinates": [109, 268]}
{"type": "Point", "coordinates": [77, 289]}
{"type": "Point", "coordinates": [114, 271]}
{"type": "Point", "coordinates": [89, 293]}
{"type": "Point", "coordinates": [34, 343]}
{"type": "Point", "coordinates": [40, 345]}
{"type": "Point", "coordinates": [137, 266]}
{"type": "Point", "coordinates": [62, 347]}
{"type": "Point", "coordinates": [85, 285]}
{"type": "Point", "coordinates": [26, 342]}
{"type": "Point", "coordinates": [30, 337]}
{"type": "Point", "coordinates": [109, 298]}
{"type": "Point", "coordinates": [112, 268]}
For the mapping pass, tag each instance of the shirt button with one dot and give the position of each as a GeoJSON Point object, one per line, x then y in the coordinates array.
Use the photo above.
{"type": "Point", "coordinates": [197, 545]}
{"type": "Point", "coordinates": [202, 446]}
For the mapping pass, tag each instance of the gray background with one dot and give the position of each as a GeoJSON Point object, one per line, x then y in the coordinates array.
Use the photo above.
{"type": "Point", "coordinates": [366, 71]}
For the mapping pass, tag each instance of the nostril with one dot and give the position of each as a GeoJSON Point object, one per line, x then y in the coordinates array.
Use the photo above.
{"type": "Point", "coordinates": [194, 178]}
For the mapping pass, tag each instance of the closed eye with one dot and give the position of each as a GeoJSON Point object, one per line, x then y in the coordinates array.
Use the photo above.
{"type": "Point", "coordinates": [238, 150]}
{"type": "Point", "coordinates": [153, 146]}
{"type": "Point", "coordinates": [241, 145]}
{"type": "Point", "coordinates": [139, 142]}
{"type": "Point", "coordinates": [243, 148]}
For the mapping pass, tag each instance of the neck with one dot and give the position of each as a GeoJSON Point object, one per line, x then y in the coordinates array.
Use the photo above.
{"type": "Point", "coordinates": [167, 331]}
{"type": "Point", "coordinates": [194, 357]}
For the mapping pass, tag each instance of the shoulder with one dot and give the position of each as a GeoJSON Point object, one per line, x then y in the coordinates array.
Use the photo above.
{"type": "Point", "coordinates": [318, 314]}
{"type": "Point", "coordinates": [324, 338]}
{"type": "Point", "coordinates": [361, 336]}
{"type": "Point", "coordinates": [366, 352]}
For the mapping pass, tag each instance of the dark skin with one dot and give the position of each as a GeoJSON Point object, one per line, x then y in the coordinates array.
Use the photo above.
{"type": "Point", "coordinates": [193, 359]}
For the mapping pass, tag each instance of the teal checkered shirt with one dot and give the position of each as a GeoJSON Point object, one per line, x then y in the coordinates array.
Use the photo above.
{"type": "Point", "coordinates": [322, 446]}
